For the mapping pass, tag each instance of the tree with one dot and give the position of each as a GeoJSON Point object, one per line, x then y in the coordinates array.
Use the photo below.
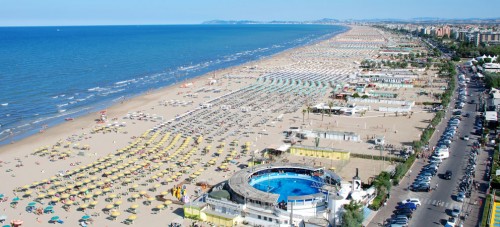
{"type": "Point", "coordinates": [308, 110]}
{"type": "Point", "coordinates": [303, 114]}
{"type": "Point", "coordinates": [330, 105]}
{"type": "Point", "coordinates": [353, 216]}
{"type": "Point", "coordinates": [355, 95]}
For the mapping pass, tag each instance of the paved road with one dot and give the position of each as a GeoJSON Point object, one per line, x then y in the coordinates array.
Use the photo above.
{"type": "Point", "coordinates": [430, 213]}
{"type": "Point", "coordinates": [437, 203]}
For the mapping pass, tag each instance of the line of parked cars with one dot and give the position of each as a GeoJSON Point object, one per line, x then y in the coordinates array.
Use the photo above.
{"type": "Point", "coordinates": [441, 152]}
{"type": "Point", "coordinates": [403, 213]}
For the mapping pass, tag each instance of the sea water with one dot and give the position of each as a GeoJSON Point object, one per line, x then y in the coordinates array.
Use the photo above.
{"type": "Point", "coordinates": [48, 74]}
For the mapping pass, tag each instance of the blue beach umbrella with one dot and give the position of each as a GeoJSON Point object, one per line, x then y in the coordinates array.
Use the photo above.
{"type": "Point", "coordinates": [32, 204]}
{"type": "Point", "coordinates": [1, 196]}
{"type": "Point", "coordinates": [15, 199]}
{"type": "Point", "coordinates": [6, 226]}
{"type": "Point", "coordinates": [86, 217]}
{"type": "Point", "coordinates": [55, 218]}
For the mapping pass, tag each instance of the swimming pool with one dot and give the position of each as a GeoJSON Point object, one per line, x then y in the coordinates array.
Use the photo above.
{"type": "Point", "coordinates": [287, 184]}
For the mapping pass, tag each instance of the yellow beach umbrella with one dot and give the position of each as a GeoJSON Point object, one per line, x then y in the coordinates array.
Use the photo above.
{"type": "Point", "coordinates": [160, 206]}
{"type": "Point", "coordinates": [118, 203]}
{"type": "Point", "coordinates": [115, 213]}
{"type": "Point", "coordinates": [132, 217]}
{"type": "Point", "coordinates": [109, 206]}
{"type": "Point", "coordinates": [112, 196]}
{"type": "Point", "coordinates": [54, 199]}
{"type": "Point", "coordinates": [143, 192]}
{"type": "Point", "coordinates": [84, 206]}
{"type": "Point", "coordinates": [65, 196]}
{"type": "Point", "coordinates": [151, 199]}
{"type": "Point", "coordinates": [68, 202]}
{"type": "Point", "coordinates": [135, 196]}
{"type": "Point", "coordinates": [168, 202]}
{"type": "Point", "coordinates": [93, 203]}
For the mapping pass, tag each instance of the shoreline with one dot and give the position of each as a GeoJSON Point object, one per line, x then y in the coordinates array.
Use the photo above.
{"type": "Point", "coordinates": [85, 120]}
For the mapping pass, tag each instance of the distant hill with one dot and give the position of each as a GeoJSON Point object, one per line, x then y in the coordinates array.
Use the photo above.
{"type": "Point", "coordinates": [375, 20]}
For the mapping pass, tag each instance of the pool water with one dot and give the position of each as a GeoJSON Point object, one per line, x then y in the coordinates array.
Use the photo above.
{"type": "Point", "coordinates": [286, 185]}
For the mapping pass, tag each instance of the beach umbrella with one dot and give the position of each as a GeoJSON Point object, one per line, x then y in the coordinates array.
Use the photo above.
{"type": "Point", "coordinates": [157, 185]}
{"type": "Point", "coordinates": [106, 190]}
{"type": "Point", "coordinates": [31, 204]}
{"type": "Point", "coordinates": [84, 206]}
{"type": "Point", "coordinates": [134, 206]}
{"type": "Point", "coordinates": [132, 217]}
{"type": "Point", "coordinates": [118, 203]}
{"type": "Point", "coordinates": [68, 202]}
{"type": "Point", "coordinates": [65, 196]}
{"type": "Point", "coordinates": [97, 193]}
{"type": "Point", "coordinates": [109, 206]}
{"type": "Point", "coordinates": [112, 196]}
{"type": "Point", "coordinates": [55, 199]}
{"type": "Point", "coordinates": [61, 189]}
{"type": "Point", "coordinates": [93, 203]}
{"type": "Point", "coordinates": [115, 213]}
{"type": "Point", "coordinates": [85, 217]}
{"type": "Point", "coordinates": [135, 196]}
{"type": "Point", "coordinates": [168, 202]}
{"type": "Point", "coordinates": [54, 218]}
{"type": "Point", "coordinates": [41, 196]}
{"type": "Point", "coordinates": [143, 192]}
{"type": "Point", "coordinates": [15, 199]}
{"type": "Point", "coordinates": [160, 206]}
{"type": "Point", "coordinates": [28, 192]}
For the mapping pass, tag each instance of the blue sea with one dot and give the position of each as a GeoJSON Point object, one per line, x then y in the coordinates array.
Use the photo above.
{"type": "Point", "coordinates": [48, 74]}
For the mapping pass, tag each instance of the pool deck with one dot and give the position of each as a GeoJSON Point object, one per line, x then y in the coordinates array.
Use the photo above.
{"type": "Point", "coordinates": [239, 181]}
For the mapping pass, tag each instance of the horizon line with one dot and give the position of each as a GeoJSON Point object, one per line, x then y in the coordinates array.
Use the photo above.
{"type": "Point", "coordinates": [262, 22]}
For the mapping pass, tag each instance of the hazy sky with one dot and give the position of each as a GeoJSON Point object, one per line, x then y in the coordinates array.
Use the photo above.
{"type": "Point", "coordinates": [98, 12]}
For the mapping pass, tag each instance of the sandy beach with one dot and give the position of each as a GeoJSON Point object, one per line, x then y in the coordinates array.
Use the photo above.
{"type": "Point", "coordinates": [169, 145]}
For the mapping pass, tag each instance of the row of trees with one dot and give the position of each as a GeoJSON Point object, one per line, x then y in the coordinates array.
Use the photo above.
{"type": "Point", "coordinates": [492, 80]}
{"type": "Point", "coordinates": [469, 50]}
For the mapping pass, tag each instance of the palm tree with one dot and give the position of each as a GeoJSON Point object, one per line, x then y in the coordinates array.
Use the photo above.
{"type": "Point", "coordinates": [353, 216]}
{"type": "Point", "coordinates": [303, 114]}
{"type": "Point", "coordinates": [330, 105]}
{"type": "Point", "coordinates": [308, 110]}
{"type": "Point", "coordinates": [322, 114]}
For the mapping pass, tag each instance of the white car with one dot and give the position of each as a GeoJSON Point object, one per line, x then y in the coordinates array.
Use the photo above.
{"type": "Point", "coordinates": [412, 200]}
{"type": "Point", "coordinates": [451, 222]}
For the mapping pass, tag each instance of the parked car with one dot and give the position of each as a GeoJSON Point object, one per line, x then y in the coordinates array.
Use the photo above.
{"type": "Point", "coordinates": [466, 137]}
{"type": "Point", "coordinates": [411, 206]}
{"type": "Point", "coordinates": [455, 212]}
{"type": "Point", "coordinates": [451, 222]}
{"type": "Point", "coordinates": [412, 200]}
{"type": "Point", "coordinates": [460, 196]}
{"type": "Point", "coordinates": [422, 188]}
